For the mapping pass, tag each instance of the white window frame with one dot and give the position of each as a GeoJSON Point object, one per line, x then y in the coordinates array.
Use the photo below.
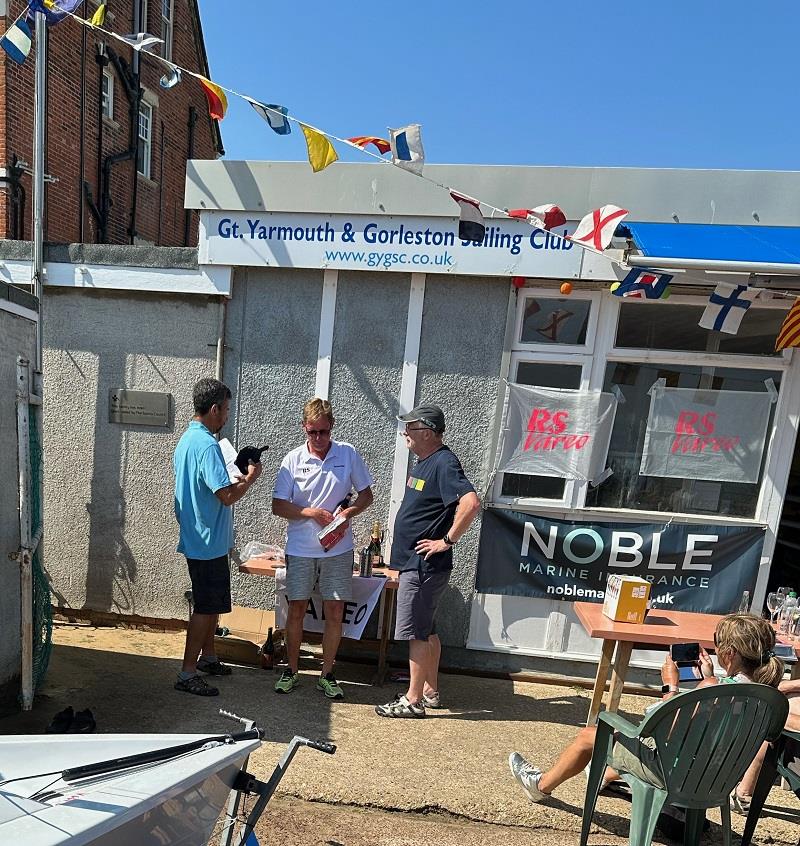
{"type": "Point", "coordinates": [600, 350]}
{"type": "Point", "coordinates": [145, 142]}
{"type": "Point", "coordinates": [167, 28]}
{"type": "Point", "coordinates": [108, 95]}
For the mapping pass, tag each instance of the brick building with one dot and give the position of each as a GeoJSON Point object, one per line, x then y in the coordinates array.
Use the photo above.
{"type": "Point", "coordinates": [117, 143]}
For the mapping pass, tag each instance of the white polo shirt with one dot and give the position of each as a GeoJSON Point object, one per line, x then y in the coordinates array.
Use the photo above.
{"type": "Point", "coordinates": [311, 482]}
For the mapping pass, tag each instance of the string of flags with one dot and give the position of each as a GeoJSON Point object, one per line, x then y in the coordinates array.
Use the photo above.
{"type": "Point", "coordinates": [595, 231]}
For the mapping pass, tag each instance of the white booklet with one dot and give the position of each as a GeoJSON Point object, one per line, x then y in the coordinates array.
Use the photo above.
{"type": "Point", "coordinates": [229, 454]}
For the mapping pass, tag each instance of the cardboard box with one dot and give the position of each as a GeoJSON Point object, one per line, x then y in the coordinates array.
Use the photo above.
{"type": "Point", "coordinates": [626, 598]}
{"type": "Point", "coordinates": [248, 631]}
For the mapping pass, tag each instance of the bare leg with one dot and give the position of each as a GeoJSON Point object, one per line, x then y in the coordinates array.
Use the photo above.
{"type": "Point", "coordinates": [208, 644]}
{"type": "Point", "coordinates": [571, 761]}
{"type": "Point", "coordinates": [334, 610]}
{"type": "Point", "coordinates": [432, 679]}
{"type": "Point", "coordinates": [197, 635]}
{"type": "Point", "coordinates": [419, 662]}
{"type": "Point", "coordinates": [294, 631]}
{"type": "Point", "coordinates": [747, 785]}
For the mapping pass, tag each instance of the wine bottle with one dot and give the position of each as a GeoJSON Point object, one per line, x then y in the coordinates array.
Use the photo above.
{"type": "Point", "coordinates": [248, 454]}
{"type": "Point", "coordinates": [376, 559]}
{"type": "Point", "coordinates": [268, 652]}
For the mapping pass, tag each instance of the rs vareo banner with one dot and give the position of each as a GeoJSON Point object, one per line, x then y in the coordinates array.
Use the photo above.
{"type": "Point", "coordinates": [357, 611]}
{"type": "Point", "coordinates": [703, 434]}
{"type": "Point", "coordinates": [691, 567]}
{"type": "Point", "coordinates": [556, 432]}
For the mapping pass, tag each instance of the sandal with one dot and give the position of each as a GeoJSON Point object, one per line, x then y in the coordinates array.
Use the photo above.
{"type": "Point", "coordinates": [739, 804]}
{"type": "Point", "coordinates": [400, 707]}
{"type": "Point", "coordinates": [214, 668]}
{"type": "Point", "coordinates": [197, 686]}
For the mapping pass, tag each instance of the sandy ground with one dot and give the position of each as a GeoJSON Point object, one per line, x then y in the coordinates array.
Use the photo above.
{"type": "Point", "coordinates": [441, 780]}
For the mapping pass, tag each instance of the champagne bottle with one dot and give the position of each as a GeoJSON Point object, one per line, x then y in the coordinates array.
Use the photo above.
{"type": "Point", "coordinates": [376, 559]}
{"type": "Point", "coordinates": [248, 454]}
{"type": "Point", "coordinates": [268, 652]}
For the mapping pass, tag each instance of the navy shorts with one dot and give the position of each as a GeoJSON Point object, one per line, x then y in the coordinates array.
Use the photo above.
{"type": "Point", "coordinates": [211, 585]}
{"type": "Point", "coordinates": [417, 600]}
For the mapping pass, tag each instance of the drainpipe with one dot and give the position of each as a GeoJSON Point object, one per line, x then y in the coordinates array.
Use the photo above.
{"type": "Point", "coordinates": [82, 157]}
{"type": "Point", "coordinates": [159, 241]}
{"type": "Point", "coordinates": [187, 215]}
{"type": "Point", "coordinates": [220, 359]}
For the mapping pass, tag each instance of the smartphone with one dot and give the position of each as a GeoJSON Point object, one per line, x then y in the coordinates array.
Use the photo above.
{"type": "Point", "coordinates": [689, 672]}
{"type": "Point", "coordinates": [685, 653]}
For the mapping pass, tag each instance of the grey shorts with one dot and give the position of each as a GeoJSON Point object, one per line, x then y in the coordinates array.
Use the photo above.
{"type": "Point", "coordinates": [637, 757]}
{"type": "Point", "coordinates": [417, 600]}
{"type": "Point", "coordinates": [334, 574]}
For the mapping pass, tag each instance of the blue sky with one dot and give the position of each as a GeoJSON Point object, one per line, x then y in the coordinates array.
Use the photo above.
{"type": "Point", "coordinates": [670, 84]}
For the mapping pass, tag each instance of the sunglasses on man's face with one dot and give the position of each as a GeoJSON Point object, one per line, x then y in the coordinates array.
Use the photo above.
{"type": "Point", "coordinates": [318, 433]}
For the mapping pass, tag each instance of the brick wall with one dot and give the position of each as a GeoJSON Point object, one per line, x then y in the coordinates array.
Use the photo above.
{"type": "Point", "coordinates": [71, 59]}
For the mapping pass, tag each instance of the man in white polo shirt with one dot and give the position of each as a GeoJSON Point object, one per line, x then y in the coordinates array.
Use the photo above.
{"type": "Point", "coordinates": [313, 481]}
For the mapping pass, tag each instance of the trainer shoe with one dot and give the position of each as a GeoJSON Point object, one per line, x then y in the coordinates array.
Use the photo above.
{"type": "Point", "coordinates": [431, 700]}
{"type": "Point", "coordinates": [287, 682]}
{"type": "Point", "coordinates": [330, 687]}
{"type": "Point", "coordinates": [528, 777]}
{"type": "Point", "coordinates": [400, 707]}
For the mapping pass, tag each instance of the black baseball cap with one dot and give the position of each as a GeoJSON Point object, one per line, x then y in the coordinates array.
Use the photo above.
{"type": "Point", "coordinates": [429, 415]}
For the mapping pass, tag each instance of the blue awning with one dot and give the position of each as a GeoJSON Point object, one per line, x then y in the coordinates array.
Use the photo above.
{"type": "Point", "coordinates": [712, 242]}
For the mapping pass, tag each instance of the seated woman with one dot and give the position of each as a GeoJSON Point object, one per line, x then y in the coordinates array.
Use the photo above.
{"type": "Point", "coordinates": [744, 646]}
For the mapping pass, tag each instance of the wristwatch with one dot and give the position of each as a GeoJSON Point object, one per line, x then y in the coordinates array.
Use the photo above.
{"type": "Point", "coordinates": [447, 540]}
{"type": "Point", "coordinates": [670, 688]}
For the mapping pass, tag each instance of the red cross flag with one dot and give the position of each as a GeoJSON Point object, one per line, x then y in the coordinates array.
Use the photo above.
{"type": "Point", "coordinates": [597, 228]}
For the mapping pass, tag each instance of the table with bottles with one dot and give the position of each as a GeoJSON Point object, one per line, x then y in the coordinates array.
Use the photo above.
{"type": "Point", "coordinates": [386, 609]}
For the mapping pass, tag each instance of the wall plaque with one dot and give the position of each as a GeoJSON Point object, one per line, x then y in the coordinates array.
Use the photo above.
{"type": "Point", "coordinates": [144, 408]}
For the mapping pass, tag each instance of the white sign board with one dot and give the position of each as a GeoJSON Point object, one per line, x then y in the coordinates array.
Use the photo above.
{"type": "Point", "coordinates": [383, 242]}
{"type": "Point", "coordinates": [705, 434]}
{"type": "Point", "coordinates": [357, 611]}
{"type": "Point", "coordinates": [557, 432]}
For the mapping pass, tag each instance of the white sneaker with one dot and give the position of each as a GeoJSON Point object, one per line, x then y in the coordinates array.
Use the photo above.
{"type": "Point", "coordinates": [432, 700]}
{"type": "Point", "coordinates": [528, 777]}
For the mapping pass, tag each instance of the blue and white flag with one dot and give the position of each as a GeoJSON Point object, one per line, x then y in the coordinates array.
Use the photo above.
{"type": "Point", "coordinates": [274, 115]}
{"type": "Point", "coordinates": [726, 307]}
{"type": "Point", "coordinates": [642, 283]}
{"type": "Point", "coordinates": [407, 151]}
{"type": "Point", "coordinates": [171, 79]}
{"type": "Point", "coordinates": [142, 41]}
{"type": "Point", "coordinates": [17, 41]}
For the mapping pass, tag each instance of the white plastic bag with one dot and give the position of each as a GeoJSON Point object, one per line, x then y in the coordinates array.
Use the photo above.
{"type": "Point", "coordinates": [255, 549]}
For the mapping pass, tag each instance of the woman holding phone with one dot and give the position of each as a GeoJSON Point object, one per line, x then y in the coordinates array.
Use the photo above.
{"type": "Point", "coordinates": [744, 645]}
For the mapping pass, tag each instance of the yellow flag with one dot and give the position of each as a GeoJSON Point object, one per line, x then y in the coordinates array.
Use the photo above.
{"type": "Point", "coordinates": [99, 17]}
{"type": "Point", "coordinates": [320, 150]}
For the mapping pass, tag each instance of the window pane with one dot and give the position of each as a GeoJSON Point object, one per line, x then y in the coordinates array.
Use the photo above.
{"type": "Point", "coordinates": [626, 488]}
{"type": "Point", "coordinates": [554, 320]}
{"type": "Point", "coordinates": [662, 326]}
{"type": "Point", "coordinates": [544, 375]}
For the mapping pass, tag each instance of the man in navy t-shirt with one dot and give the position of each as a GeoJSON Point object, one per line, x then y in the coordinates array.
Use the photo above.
{"type": "Point", "coordinates": [437, 509]}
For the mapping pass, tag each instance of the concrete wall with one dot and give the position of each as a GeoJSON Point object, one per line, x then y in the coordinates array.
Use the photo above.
{"type": "Point", "coordinates": [110, 529]}
{"type": "Point", "coordinates": [17, 338]}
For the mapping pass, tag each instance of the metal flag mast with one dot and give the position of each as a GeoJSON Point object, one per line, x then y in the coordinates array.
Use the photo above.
{"type": "Point", "coordinates": [39, 117]}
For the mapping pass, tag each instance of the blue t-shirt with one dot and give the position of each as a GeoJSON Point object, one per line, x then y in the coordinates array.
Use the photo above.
{"type": "Point", "coordinates": [206, 525]}
{"type": "Point", "coordinates": [426, 513]}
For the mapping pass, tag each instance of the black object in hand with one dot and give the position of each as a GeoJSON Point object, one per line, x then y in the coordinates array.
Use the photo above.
{"type": "Point", "coordinates": [248, 454]}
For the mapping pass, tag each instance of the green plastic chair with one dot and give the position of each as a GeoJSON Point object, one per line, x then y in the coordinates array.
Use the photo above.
{"type": "Point", "coordinates": [774, 765]}
{"type": "Point", "coordinates": [705, 740]}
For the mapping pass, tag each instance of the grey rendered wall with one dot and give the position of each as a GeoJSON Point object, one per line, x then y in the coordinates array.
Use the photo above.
{"type": "Point", "coordinates": [17, 338]}
{"type": "Point", "coordinates": [110, 528]}
{"type": "Point", "coordinates": [463, 328]}
{"type": "Point", "coordinates": [272, 339]}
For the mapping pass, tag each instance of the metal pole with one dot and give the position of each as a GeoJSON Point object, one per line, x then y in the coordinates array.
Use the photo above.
{"type": "Point", "coordinates": [25, 557]}
{"type": "Point", "coordinates": [39, 116]}
{"type": "Point", "coordinates": [763, 268]}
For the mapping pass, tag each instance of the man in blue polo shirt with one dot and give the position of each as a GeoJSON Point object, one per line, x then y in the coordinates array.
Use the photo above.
{"type": "Point", "coordinates": [204, 495]}
{"type": "Point", "coordinates": [437, 509]}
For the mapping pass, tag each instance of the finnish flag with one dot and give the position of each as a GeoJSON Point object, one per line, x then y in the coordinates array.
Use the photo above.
{"type": "Point", "coordinates": [470, 225]}
{"type": "Point", "coordinates": [17, 41]}
{"type": "Point", "coordinates": [726, 307]}
{"type": "Point", "coordinates": [274, 115]}
{"type": "Point", "coordinates": [407, 151]}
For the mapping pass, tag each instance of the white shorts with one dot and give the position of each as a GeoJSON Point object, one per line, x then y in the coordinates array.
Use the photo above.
{"type": "Point", "coordinates": [334, 574]}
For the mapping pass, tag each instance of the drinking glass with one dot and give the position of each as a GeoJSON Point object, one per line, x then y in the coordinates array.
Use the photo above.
{"type": "Point", "coordinates": [774, 605]}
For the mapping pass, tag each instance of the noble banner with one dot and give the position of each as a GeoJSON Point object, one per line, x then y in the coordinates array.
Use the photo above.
{"type": "Point", "coordinates": [691, 567]}
{"type": "Point", "coordinates": [697, 434]}
{"type": "Point", "coordinates": [357, 611]}
{"type": "Point", "coordinates": [556, 432]}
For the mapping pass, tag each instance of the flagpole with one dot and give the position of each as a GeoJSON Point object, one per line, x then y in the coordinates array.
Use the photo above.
{"type": "Point", "coordinates": [39, 116]}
